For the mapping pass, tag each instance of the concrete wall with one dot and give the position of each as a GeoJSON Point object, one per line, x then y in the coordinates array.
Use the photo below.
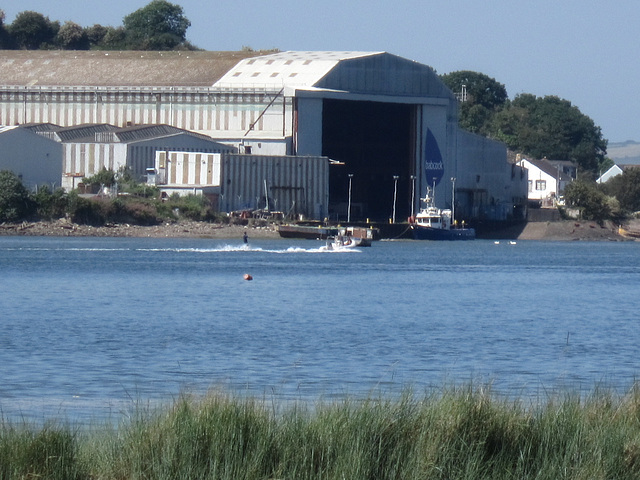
{"type": "Point", "coordinates": [488, 184]}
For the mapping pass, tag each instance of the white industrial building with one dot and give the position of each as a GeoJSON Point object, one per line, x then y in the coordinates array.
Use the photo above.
{"type": "Point", "coordinates": [388, 124]}
{"type": "Point", "coordinates": [36, 160]}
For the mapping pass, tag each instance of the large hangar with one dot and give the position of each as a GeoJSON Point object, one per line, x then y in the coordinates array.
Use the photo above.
{"type": "Point", "coordinates": [389, 124]}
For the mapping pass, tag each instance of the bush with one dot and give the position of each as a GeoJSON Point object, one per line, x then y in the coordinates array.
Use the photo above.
{"type": "Point", "coordinates": [15, 203]}
{"type": "Point", "coordinates": [193, 207]}
{"type": "Point", "coordinates": [50, 205]}
{"type": "Point", "coordinates": [85, 211]}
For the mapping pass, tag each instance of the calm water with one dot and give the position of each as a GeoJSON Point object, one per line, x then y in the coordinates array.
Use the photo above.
{"type": "Point", "coordinates": [90, 326]}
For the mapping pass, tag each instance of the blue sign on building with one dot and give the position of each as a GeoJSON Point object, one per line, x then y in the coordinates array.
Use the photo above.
{"type": "Point", "coordinates": [433, 166]}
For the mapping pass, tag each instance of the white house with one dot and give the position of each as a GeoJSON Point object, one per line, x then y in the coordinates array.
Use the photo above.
{"type": "Point", "coordinates": [612, 172]}
{"type": "Point", "coordinates": [545, 181]}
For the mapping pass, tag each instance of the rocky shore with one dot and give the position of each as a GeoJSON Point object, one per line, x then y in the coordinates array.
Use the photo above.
{"type": "Point", "coordinates": [183, 229]}
{"type": "Point", "coordinates": [565, 230]}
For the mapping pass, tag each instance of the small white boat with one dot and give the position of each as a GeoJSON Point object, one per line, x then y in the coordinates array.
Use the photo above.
{"type": "Point", "coordinates": [341, 242]}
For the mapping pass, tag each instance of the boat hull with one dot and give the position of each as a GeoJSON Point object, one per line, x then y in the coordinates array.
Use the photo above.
{"type": "Point", "coordinates": [428, 233]}
{"type": "Point", "coordinates": [304, 231]}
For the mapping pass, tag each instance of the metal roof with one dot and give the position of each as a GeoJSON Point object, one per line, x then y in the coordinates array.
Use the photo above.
{"type": "Point", "coordinates": [293, 69]}
{"type": "Point", "coordinates": [378, 73]}
{"type": "Point", "coordinates": [114, 68]}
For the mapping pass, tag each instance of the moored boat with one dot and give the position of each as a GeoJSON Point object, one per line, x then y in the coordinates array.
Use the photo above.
{"type": "Point", "coordinates": [433, 223]}
{"type": "Point", "coordinates": [310, 232]}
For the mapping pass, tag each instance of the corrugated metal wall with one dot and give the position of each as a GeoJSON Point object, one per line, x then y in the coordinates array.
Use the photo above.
{"type": "Point", "coordinates": [189, 168]}
{"type": "Point", "coordinates": [197, 109]}
{"type": "Point", "coordinates": [86, 159]}
{"type": "Point", "coordinates": [294, 185]}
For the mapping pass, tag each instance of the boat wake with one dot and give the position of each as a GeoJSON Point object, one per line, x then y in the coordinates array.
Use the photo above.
{"type": "Point", "coordinates": [250, 248]}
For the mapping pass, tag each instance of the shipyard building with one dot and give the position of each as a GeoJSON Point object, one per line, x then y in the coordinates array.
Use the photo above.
{"type": "Point", "coordinates": [378, 129]}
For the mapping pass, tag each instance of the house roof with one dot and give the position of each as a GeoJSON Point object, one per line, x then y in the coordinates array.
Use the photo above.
{"type": "Point", "coordinates": [549, 169]}
{"type": "Point", "coordinates": [114, 68]}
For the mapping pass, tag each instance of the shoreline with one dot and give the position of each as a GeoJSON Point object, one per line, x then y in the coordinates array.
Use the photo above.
{"type": "Point", "coordinates": [562, 230]}
{"type": "Point", "coordinates": [182, 229]}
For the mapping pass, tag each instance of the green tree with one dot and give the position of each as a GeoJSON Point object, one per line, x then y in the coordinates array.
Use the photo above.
{"type": "Point", "coordinates": [484, 97]}
{"type": "Point", "coordinates": [5, 40]}
{"type": "Point", "coordinates": [15, 204]}
{"type": "Point", "coordinates": [626, 188]}
{"type": "Point", "coordinates": [72, 36]}
{"type": "Point", "coordinates": [104, 177]}
{"type": "Point", "coordinates": [32, 30]}
{"type": "Point", "coordinates": [551, 127]}
{"type": "Point", "coordinates": [95, 34]}
{"type": "Point", "coordinates": [114, 39]}
{"type": "Point", "coordinates": [593, 203]}
{"type": "Point", "coordinates": [158, 26]}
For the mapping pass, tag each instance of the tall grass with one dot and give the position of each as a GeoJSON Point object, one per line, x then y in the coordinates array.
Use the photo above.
{"type": "Point", "coordinates": [457, 433]}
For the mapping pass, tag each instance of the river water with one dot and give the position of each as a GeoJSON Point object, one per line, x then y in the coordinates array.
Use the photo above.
{"type": "Point", "coordinates": [91, 326]}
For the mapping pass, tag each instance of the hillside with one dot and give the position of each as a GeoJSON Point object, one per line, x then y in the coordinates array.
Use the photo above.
{"type": "Point", "coordinates": [624, 153]}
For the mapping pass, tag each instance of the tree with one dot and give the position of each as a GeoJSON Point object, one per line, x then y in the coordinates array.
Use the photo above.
{"type": "Point", "coordinates": [5, 40]}
{"type": "Point", "coordinates": [484, 97]}
{"type": "Point", "coordinates": [96, 34]}
{"type": "Point", "coordinates": [32, 30]}
{"type": "Point", "coordinates": [72, 36]}
{"type": "Point", "coordinates": [593, 204]}
{"type": "Point", "coordinates": [158, 26]}
{"type": "Point", "coordinates": [104, 178]}
{"type": "Point", "coordinates": [15, 203]}
{"type": "Point", "coordinates": [551, 127]}
{"type": "Point", "coordinates": [626, 188]}
{"type": "Point", "coordinates": [114, 39]}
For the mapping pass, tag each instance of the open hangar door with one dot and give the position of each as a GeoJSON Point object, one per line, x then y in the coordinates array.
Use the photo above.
{"type": "Point", "coordinates": [375, 141]}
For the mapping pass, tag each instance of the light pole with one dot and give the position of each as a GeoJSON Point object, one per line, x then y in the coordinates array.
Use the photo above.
{"type": "Point", "coordinates": [413, 193]}
{"type": "Point", "coordinates": [453, 199]}
{"type": "Point", "coordinates": [349, 206]}
{"type": "Point", "coordinates": [395, 196]}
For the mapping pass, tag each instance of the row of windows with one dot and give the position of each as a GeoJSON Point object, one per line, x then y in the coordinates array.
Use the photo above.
{"type": "Point", "coordinates": [541, 185]}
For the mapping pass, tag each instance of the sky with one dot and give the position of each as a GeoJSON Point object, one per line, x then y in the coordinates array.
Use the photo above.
{"type": "Point", "coordinates": [582, 51]}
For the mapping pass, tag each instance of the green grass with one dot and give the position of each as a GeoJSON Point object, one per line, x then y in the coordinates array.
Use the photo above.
{"type": "Point", "coordinates": [457, 433]}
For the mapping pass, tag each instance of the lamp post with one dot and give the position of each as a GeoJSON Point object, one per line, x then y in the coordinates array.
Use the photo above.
{"type": "Point", "coordinates": [453, 199]}
{"type": "Point", "coordinates": [413, 193]}
{"type": "Point", "coordinates": [349, 206]}
{"type": "Point", "coordinates": [395, 196]}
